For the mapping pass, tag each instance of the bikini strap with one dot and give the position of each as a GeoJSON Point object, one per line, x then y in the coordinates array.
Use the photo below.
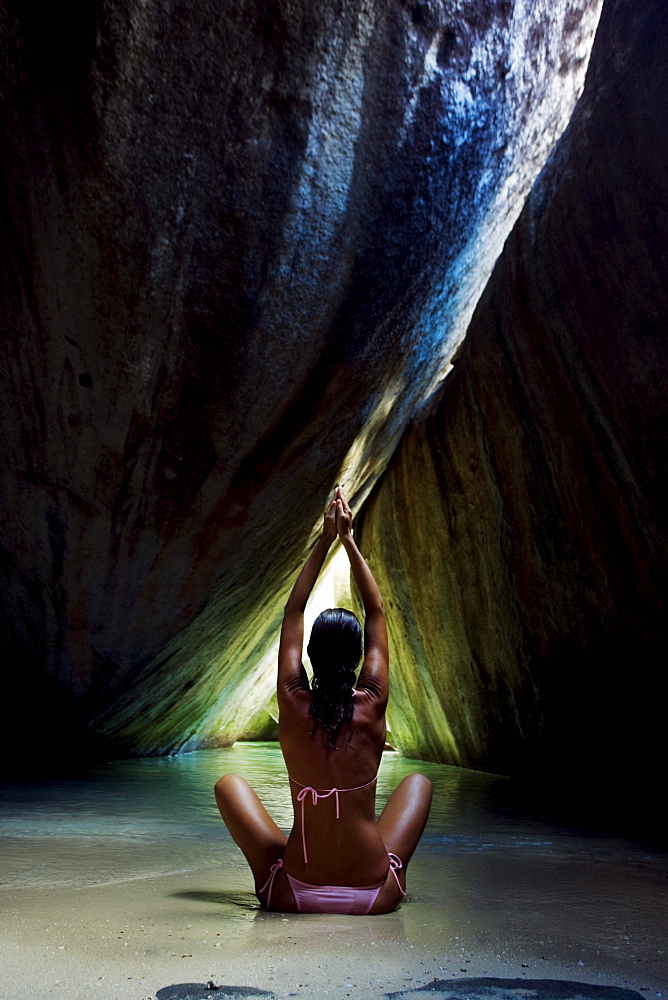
{"type": "Point", "coordinates": [270, 881]}
{"type": "Point", "coordinates": [323, 793]}
{"type": "Point", "coordinates": [395, 865]}
{"type": "Point", "coordinates": [316, 795]}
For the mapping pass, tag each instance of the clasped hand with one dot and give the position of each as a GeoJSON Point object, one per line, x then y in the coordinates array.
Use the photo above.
{"type": "Point", "coordinates": [338, 518]}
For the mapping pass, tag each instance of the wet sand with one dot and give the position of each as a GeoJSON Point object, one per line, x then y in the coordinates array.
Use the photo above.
{"type": "Point", "coordinates": [125, 884]}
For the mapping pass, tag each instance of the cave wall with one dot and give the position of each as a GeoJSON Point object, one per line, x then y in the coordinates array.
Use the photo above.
{"type": "Point", "coordinates": [520, 533]}
{"type": "Point", "coordinates": [240, 242]}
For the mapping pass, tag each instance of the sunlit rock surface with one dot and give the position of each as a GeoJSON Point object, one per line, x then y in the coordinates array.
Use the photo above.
{"type": "Point", "coordinates": [240, 242]}
{"type": "Point", "coordinates": [521, 532]}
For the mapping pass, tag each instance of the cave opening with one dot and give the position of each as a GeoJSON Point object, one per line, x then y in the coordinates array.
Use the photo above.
{"type": "Point", "coordinates": [156, 437]}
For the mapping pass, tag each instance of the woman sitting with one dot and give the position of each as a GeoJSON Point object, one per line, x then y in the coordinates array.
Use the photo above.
{"type": "Point", "coordinates": [338, 858]}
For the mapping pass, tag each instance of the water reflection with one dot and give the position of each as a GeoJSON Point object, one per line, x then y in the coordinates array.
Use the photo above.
{"type": "Point", "coordinates": [137, 818]}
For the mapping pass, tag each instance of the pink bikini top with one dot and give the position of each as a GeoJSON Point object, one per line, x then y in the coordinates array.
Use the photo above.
{"type": "Point", "coordinates": [317, 794]}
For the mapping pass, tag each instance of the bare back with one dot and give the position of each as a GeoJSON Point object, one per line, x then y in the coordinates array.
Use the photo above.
{"type": "Point", "coordinates": [348, 850]}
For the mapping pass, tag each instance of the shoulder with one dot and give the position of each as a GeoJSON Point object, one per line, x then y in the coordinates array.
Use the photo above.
{"type": "Point", "coordinates": [294, 698]}
{"type": "Point", "coordinates": [370, 701]}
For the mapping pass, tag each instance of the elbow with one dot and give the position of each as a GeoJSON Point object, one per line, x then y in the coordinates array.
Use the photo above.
{"type": "Point", "coordinates": [294, 606]}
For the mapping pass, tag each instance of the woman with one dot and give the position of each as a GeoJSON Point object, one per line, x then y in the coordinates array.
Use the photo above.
{"type": "Point", "coordinates": [338, 858]}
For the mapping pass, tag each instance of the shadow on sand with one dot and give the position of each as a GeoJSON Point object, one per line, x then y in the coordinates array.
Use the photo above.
{"type": "Point", "coordinates": [198, 991]}
{"type": "Point", "coordinates": [514, 989]}
{"type": "Point", "coordinates": [439, 989]}
{"type": "Point", "coordinates": [246, 900]}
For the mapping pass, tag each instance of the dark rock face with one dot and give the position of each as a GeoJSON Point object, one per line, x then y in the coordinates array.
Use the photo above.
{"type": "Point", "coordinates": [240, 242]}
{"type": "Point", "coordinates": [521, 532]}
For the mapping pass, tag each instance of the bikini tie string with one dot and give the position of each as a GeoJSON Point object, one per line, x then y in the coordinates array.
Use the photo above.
{"type": "Point", "coordinates": [395, 865]}
{"type": "Point", "coordinates": [315, 796]}
{"type": "Point", "coordinates": [270, 880]}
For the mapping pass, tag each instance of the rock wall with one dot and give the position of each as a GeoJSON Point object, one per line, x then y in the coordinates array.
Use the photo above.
{"type": "Point", "coordinates": [521, 531]}
{"type": "Point", "coordinates": [240, 242]}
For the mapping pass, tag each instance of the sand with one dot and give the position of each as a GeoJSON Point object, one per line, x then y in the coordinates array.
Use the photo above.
{"type": "Point", "coordinates": [493, 898]}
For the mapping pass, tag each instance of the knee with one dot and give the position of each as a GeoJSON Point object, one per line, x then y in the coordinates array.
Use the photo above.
{"type": "Point", "coordinates": [419, 785]}
{"type": "Point", "coordinates": [419, 779]}
{"type": "Point", "coordinates": [227, 786]}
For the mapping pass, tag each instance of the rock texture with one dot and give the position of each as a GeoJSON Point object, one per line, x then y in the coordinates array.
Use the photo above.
{"type": "Point", "coordinates": [521, 532]}
{"type": "Point", "coordinates": [239, 243]}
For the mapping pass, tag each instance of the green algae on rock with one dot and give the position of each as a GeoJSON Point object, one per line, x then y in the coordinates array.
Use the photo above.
{"type": "Point", "coordinates": [520, 533]}
{"type": "Point", "coordinates": [240, 244]}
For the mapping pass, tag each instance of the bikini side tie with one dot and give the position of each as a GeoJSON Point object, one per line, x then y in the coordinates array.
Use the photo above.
{"type": "Point", "coordinates": [316, 796]}
{"type": "Point", "coordinates": [395, 865]}
{"type": "Point", "coordinates": [272, 876]}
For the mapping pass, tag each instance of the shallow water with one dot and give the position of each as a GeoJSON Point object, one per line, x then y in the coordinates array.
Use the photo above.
{"type": "Point", "coordinates": [492, 880]}
{"type": "Point", "coordinates": [137, 818]}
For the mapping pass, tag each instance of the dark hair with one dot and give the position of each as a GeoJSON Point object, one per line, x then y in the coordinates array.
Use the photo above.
{"type": "Point", "coordinates": [334, 649]}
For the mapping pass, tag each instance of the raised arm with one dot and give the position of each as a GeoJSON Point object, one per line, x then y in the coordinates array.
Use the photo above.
{"type": "Point", "coordinates": [374, 675]}
{"type": "Point", "coordinates": [291, 674]}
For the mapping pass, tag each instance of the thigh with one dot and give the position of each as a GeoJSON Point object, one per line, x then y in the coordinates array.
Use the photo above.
{"type": "Point", "coordinates": [391, 895]}
{"type": "Point", "coordinates": [404, 817]}
{"type": "Point", "coordinates": [251, 826]}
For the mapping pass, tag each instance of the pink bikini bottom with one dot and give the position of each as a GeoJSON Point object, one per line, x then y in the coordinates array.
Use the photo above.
{"type": "Point", "coordinates": [355, 900]}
